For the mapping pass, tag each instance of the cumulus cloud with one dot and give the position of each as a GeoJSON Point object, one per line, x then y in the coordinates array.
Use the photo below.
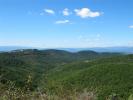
{"type": "Point", "coordinates": [62, 21]}
{"type": "Point", "coordinates": [49, 11]}
{"type": "Point", "coordinates": [86, 12]}
{"type": "Point", "coordinates": [66, 12]}
{"type": "Point", "coordinates": [131, 26]}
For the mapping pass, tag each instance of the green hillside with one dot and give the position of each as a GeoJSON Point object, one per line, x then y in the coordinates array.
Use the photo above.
{"type": "Point", "coordinates": [105, 77]}
{"type": "Point", "coordinates": [18, 65]}
{"type": "Point", "coordinates": [62, 73]}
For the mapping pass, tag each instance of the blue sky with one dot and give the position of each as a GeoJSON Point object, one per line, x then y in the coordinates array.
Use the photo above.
{"type": "Point", "coordinates": [66, 23]}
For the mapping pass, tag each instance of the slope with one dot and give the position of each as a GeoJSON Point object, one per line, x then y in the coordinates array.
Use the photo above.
{"type": "Point", "coordinates": [103, 76]}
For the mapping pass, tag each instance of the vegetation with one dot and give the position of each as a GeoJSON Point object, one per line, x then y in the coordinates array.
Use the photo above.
{"type": "Point", "coordinates": [61, 75]}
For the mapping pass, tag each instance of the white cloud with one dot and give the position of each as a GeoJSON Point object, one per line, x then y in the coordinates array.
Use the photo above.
{"type": "Point", "coordinates": [66, 12]}
{"type": "Point", "coordinates": [49, 11]}
{"type": "Point", "coordinates": [62, 21]}
{"type": "Point", "coordinates": [86, 12]}
{"type": "Point", "coordinates": [131, 26]}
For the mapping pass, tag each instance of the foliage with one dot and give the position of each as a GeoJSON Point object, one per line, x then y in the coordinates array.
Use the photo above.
{"type": "Point", "coordinates": [58, 74]}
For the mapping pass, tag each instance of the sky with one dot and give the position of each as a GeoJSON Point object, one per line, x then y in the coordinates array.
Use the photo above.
{"type": "Point", "coordinates": [66, 23]}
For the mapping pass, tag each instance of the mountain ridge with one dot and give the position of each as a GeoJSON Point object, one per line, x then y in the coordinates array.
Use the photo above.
{"type": "Point", "coordinates": [122, 49]}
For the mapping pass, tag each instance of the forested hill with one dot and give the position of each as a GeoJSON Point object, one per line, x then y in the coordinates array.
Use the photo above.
{"type": "Point", "coordinates": [18, 64]}
{"type": "Point", "coordinates": [62, 73]}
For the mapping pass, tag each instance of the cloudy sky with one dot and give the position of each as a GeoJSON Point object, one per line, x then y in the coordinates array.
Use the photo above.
{"type": "Point", "coordinates": [66, 23]}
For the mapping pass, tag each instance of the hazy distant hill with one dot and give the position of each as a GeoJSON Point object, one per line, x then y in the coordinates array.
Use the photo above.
{"type": "Point", "coordinates": [128, 50]}
{"type": "Point", "coordinates": [103, 49]}
{"type": "Point", "coordinates": [10, 48]}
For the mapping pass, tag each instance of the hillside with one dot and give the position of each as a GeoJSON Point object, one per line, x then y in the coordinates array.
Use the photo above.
{"type": "Point", "coordinates": [60, 72]}
{"type": "Point", "coordinates": [17, 65]}
{"type": "Point", "coordinates": [104, 76]}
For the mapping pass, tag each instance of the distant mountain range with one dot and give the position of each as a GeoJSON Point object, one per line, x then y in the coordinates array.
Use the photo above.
{"type": "Point", "coordinates": [11, 48]}
{"type": "Point", "coordinates": [102, 49]}
{"type": "Point", "coordinates": [128, 50]}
